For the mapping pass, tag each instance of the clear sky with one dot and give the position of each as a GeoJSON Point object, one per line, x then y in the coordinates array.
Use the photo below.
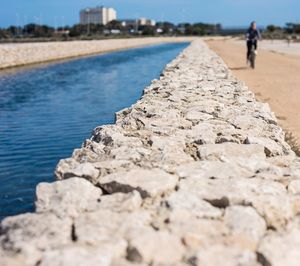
{"type": "Point", "coordinates": [226, 12]}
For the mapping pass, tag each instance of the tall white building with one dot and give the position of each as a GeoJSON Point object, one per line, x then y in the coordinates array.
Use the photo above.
{"type": "Point", "coordinates": [98, 15]}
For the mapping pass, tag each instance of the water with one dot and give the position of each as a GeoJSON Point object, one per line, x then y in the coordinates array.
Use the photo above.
{"type": "Point", "coordinates": [47, 111]}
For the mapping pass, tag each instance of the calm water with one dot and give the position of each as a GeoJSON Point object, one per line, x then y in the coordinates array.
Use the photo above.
{"type": "Point", "coordinates": [47, 111]}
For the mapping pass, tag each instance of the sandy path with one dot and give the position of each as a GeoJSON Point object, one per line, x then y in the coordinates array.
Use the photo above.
{"type": "Point", "coordinates": [276, 80]}
{"type": "Point", "coordinates": [12, 55]}
{"type": "Point", "coordinates": [277, 46]}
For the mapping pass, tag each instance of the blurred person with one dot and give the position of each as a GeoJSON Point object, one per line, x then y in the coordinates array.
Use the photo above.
{"type": "Point", "coordinates": [252, 36]}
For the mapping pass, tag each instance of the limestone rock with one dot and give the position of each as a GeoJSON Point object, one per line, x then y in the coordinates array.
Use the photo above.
{"type": "Point", "coordinates": [271, 147]}
{"type": "Point", "coordinates": [229, 150]}
{"type": "Point", "coordinates": [149, 183]}
{"type": "Point", "coordinates": [294, 187]}
{"type": "Point", "coordinates": [244, 222]}
{"type": "Point", "coordinates": [282, 248]}
{"type": "Point", "coordinates": [31, 234]}
{"type": "Point", "coordinates": [70, 168]}
{"type": "Point", "coordinates": [69, 197]}
{"type": "Point", "coordinates": [159, 248]}
{"type": "Point", "coordinates": [183, 204]}
{"type": "Point", "coordinates": [225, 256]}
{"type": "Point", "coordinates": [121, 202]}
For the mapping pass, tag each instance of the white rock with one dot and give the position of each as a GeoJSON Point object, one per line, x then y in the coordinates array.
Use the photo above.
{"type": "Point", "coordinates": [157, 247]}
{"type": "Point", "coordinates": [246, 223]}
{"type": "Point", "coordinates": [31, 234]}
{"type": "Point", "coordinates": [226, 256]}
{"type": "Point", "coordinates": [230, 150]}
{"type": "Point", "coordinates": [282, 248]}
{"type": "Point", "coordinates": [69, 197]}
{"type": "Point", "coordinates": [121, 202]}
{"type": "Point", "coordinates": [294, 187]}
{"type": "Point", "coordinates": [148, 182]}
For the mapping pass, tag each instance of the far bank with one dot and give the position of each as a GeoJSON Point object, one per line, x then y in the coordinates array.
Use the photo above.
{"type": "Point", "coordinates": [14, 55]}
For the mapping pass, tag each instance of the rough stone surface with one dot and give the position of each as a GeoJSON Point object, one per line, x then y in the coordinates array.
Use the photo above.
{"type": "Point", "coordinates": [197, 172]}
{"type": "Point", "coordinates": [70, 197]}
{"type": "Point", "coordinates": [149, 183]}
{"type": "Point", "coordinates": [18, 54]}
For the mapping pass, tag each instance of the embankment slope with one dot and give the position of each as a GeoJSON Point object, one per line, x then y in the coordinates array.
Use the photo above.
{"type": "Point", "coordinates": [21, 54]}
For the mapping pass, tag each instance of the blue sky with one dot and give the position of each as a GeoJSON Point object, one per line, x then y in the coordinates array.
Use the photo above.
{"type": "Point", "coordinates": [227, 12]}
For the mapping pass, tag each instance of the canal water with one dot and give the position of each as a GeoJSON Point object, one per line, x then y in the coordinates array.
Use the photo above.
{"type": "Point", "coordinates": [47, 111]}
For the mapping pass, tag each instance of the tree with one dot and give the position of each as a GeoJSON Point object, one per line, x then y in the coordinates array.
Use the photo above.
{"type": "Point", "coordinates": [3, 34]}
{"type": "Point", "coordinates": [114, 25]}
{"type": "Point", "coordinates": [147, 30]}
{"type": "Point", "coordinates": [271, 28]}
{"type": "Point", "coordinates": [14, 31]}
{"type": "Point", "coordinates": [167, 27]}
{"type": "Point", "coordinates": [36, 30]}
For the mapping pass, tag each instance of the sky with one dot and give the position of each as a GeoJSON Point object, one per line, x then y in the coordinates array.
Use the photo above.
{"type": "Point", "coordinates": [227, 12]}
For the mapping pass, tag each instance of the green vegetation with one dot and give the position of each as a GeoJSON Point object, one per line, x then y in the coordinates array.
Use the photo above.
{"type": "Point", "coordinates": [291, 31]}
{"type": "Point", "coordinates": [116, 29]}
{"type": "Point", "coordinates": [32, 32]}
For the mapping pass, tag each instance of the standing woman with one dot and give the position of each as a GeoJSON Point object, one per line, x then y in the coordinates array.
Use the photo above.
{"type": "Point", "coordinates": [252, 36]}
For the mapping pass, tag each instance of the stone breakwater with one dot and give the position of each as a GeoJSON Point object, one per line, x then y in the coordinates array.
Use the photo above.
{"type": "Point", "coordinates": [197, 172]}
{"type": "Point", "coordinates": [12, 55]}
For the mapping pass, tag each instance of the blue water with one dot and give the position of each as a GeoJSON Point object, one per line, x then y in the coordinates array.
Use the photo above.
{"type": "Point", "coordinates": [47, 111]}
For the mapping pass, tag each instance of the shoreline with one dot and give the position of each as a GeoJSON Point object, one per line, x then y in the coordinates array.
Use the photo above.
{"type": "Point", "coordinates": [31, 54]}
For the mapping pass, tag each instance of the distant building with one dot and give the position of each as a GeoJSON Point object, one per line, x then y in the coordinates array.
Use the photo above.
{"type": "Point", "coordinates": [137, 22]}
{"type": "Point", "coordinates": [129, 22]}
{"type": "Point", "coordinates": [98, 15]}
{"type": "Point", "coordinates": [146, 22]}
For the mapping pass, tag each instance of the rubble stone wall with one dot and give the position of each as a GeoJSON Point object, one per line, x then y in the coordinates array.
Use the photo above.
{"type": "Point", "coordinates": [197, 172]}
{"type": "Point", "coordinates": [20, 54]}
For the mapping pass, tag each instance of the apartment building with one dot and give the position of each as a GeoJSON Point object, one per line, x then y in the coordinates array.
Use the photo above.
{"type": "Point", "coordinates": [99, 15]}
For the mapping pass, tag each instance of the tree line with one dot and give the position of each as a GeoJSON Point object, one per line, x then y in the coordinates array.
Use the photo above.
{"type": "Point", "coordinates": [277, 32]}
{"type": "Point", "coordinates": [118, 28]}
{"type": "Point", "coordinates": [114, 27]}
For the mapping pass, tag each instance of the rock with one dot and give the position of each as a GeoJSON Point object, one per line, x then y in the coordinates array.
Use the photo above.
{"type": "Point", "coordinates": [70, 168]}
{"type": "Point", "coordinates": [78, 256]}
{"type": "Point", "coordinates": [157, 247]}
{"type": "Point", "coordinates": [294, 187]}
{"type": "Point", "coordinates": [225, 256]}
{"type": "Point", "coordinates": [203, 133]}
{"type": "Point", "coordinates": [212, 170]}
{"type": "Point", "coordinates": [120, 202]}
{"type": "Point", "coordinates": [244, 222]}
{"type": "Point", "coordinates": [63, 167]}
{"type": "Point", "coordinates": [271, 147]}
{"type": "Point", "coordinates": [183, 204]}
{"type": "Point", "coordinates": [281, 248]}
{"type": "Point", "coordinates": [30, 234]}
{"type": "Point", "coordinates": [269, 198]}
{"type": "Point", "coordinates": [230, 150]}
{"type": "Point", "coordinates": [149, 183]}
{"type": "Point", "coordinates": [68, 198]}
{"type": "Point", "coordinates": [106, 227]}
{"type": "Point", "coordinates": [196, 116]}
{"type": "Point", "coordinates": [196, 233]}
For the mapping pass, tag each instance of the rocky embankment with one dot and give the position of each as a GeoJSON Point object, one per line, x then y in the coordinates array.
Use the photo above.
{"type": "Point", "coordinates": [197, 172]}
{"type": "Point", "coordinates": [12, 55]}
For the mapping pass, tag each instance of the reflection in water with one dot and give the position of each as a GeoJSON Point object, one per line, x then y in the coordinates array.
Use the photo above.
{"type": "Point", "coordinates": [47, 111]}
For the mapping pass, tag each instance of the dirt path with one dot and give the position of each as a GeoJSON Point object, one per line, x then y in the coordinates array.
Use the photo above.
{"type": "Point", "coordinates": [276, 80]}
